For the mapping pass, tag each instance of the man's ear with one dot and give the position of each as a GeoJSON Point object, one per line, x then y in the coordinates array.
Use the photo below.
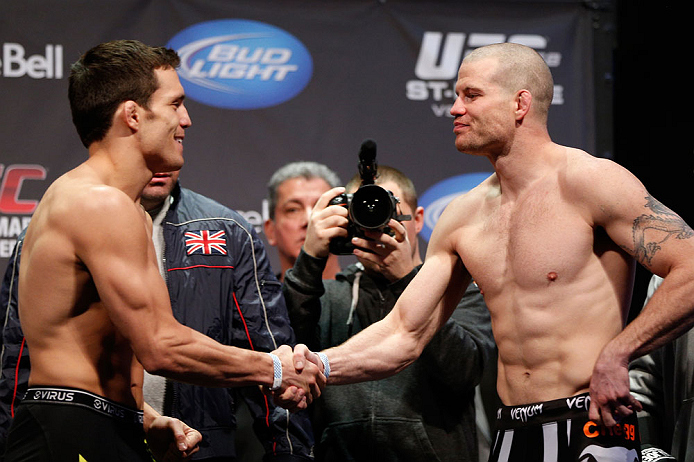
{"type": "Point", "coordinates": [130, 114]}
{"type": "Point", "coordinates": [522, 104]}
{"type": "Point", "coordinates": [418, 218]}
{"type": "Point", "coordinates": [269, 229]}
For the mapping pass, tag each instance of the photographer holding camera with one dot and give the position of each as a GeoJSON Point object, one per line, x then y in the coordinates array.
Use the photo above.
{"type": "Point", "coordinates": [425, 412]}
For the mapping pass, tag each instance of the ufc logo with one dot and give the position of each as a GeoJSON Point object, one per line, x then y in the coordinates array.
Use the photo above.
{"type": "Point", "coordinates": [12, 178]}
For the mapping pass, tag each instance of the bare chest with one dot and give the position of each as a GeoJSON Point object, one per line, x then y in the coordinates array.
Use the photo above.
{"type": "Point", "coordinates": [531, 243]}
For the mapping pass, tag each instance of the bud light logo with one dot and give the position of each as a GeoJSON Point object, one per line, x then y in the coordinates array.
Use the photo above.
{"type": "Point", "coordinates": [241, 64]}
{"type": "Point", "coordinates": [435, 199]}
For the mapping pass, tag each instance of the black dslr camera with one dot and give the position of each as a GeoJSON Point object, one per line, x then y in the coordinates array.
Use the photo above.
{"type": "Point", "coordinates": [370, 207]}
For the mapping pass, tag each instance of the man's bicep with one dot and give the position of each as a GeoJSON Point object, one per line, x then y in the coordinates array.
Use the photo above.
{"type": "Point", "coordinates": [653, 234]}
{"type": "Point", "coordinates": [661, 238]}
{"type": "Point", "coordinates": [656, 236]}
{"type": "Point", "coordinates": [118, 254]}
{"type": "Point", "coordinates": [446, 260]}
{"type": "Point", "coordinates": [435, 291]}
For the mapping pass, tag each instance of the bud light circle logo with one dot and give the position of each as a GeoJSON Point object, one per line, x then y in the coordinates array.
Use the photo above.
{"type": "Point", "coordinates": [241, 64]}
{"type": "Point", "coordinates": [435, 199]}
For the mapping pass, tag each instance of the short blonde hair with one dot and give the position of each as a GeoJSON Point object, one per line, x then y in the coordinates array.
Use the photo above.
{"type": "Point", "coordinates": [519, 67]}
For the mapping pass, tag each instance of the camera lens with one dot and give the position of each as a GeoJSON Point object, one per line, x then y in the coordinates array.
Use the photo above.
{"type": "Point", "coordinates": [372, 207]}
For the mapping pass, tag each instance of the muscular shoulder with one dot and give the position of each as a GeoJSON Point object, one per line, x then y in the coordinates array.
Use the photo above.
{"type": "Point", "coordinates": [68, 203]}
{"type": "Point", "coordinates": [601, 186]}
{"type": "Point", "coordinates": [584, 171]}
{"type": "Point", "coordinates": [89, 212]}
{"type": "Point", "coordinates": [466, 210]}
{"type": "Point", "coordinates": [98, 204]}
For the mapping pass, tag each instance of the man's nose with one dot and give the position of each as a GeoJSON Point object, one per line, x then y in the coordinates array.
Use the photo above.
{"type": "Point", "coordinates": [306, 217]}
{"type": "Point", "coordinates": [185, 118]}
{"type": "Point", "coordinates": [458, 108]}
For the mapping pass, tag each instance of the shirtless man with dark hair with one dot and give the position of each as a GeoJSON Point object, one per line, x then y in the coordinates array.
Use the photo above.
{"type": "Point", "coordinates": [551, 238]}
{"type": "Point", "coordinates": [92, 303]}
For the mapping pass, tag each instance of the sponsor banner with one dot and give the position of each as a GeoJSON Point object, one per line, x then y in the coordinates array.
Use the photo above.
{"type": "Point", "coordinates": [16, 62]}
{"type": "Point", "coordinates": [240, 64]}
{"type": "Point", "coordinates": [440, 55]}
{"type": "Point", "coordinates": [272, 82]}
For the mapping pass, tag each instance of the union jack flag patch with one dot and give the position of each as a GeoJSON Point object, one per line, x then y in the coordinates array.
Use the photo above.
{"type": "Point", "coordinates": [206, 242]}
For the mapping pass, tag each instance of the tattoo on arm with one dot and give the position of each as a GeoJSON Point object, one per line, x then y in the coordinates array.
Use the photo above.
{"type": "Point", "coordinates": [650, 230]}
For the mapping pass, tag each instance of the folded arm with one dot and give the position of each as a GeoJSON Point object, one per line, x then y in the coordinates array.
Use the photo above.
{"type": "Point", "coordinates": [663, 243]}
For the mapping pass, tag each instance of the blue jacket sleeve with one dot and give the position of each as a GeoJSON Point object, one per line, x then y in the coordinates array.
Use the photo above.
{"type": "Point", "coordinates": [259, 298]}
{"type": "Point", "coordinates": [15, 355]}
{"type": "Point", "coordinates": [284, 435]}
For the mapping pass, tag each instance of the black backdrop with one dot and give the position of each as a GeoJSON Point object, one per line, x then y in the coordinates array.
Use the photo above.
{"type": "Point", "coordinates": [653, 104]}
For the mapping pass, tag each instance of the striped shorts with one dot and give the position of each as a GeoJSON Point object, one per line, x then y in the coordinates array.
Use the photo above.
{"type": "Point", "coordinates": [560, 431]}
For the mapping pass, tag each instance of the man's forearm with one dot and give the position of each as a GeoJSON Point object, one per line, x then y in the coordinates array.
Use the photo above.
{"type": "Point", "coordinates": [375, 353]}
{"type": "Point", "coordinates": [192, 357]}
{"type": "Point", "coordinates": [667, 315]}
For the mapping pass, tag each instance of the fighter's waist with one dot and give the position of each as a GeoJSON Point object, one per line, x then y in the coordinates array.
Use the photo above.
{"type": "Point", "coordinates": [77, 397]}
{"type": "Point", "coordinates": [543, 412]}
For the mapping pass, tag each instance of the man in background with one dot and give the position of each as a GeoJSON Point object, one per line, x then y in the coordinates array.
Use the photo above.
{"type": "Point", "coordinates": [292, 192]}
{"type": "Point", "coordinates": [663, 381]}
{"type": "Point", "coordinates": [424, 413]}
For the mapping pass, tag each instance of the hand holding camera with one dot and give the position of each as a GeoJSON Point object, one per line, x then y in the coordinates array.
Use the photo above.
{"type": "Point", "coordinates": [325, 224]}
{"type": "Point", "coordinates": [365, 223]}
{"type": "Point", "coordinates": [371, 207]}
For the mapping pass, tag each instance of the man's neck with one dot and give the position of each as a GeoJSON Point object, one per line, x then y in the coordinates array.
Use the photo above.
{"type": "Point", "coordinates": [521, 167]}
{"type": "Point", "coordinates": [124, 171]}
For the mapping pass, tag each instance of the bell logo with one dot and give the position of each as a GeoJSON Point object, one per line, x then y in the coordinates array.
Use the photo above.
{"type": "Point", "coordinates": [14, 62]}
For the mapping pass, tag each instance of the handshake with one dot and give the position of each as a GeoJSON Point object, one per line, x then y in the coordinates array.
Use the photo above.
{"type": "Point", "coordinates": [299, 375]}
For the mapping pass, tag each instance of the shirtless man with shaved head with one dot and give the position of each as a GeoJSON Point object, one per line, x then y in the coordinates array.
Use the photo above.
{"type": "Point", "coordinates": [552, 239]}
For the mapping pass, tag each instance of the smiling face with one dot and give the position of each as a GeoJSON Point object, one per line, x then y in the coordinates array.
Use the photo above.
{"type": "Point", "coordinates": [163, 124]}
{"type": "Point", "coordinates": [483, 110]}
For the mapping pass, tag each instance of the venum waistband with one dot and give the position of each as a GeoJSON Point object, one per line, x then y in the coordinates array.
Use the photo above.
{"type": "Point", "coordinates": [539, 413]}
{"type": "Point", "coordinates": [77, 397]}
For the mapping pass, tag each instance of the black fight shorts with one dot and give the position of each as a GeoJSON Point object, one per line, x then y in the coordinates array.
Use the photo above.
{"type": "Point", "coordinates": [70, 425]}
{"type": "Point", "coordinates": [560, 431]}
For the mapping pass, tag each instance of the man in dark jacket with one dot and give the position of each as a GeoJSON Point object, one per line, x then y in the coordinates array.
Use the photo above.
{"type": "Point", "coordinates": [221, 284]}
{"type": "Point", "coordinates": [427, 411]}
{"type": "Point", "coordinates": [292, 192]}
{"type": "Point", "coordinates": [663, 381]}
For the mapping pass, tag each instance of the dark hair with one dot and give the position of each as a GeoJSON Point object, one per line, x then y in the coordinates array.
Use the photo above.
{"type": "Point", "coordinates": [109, 74]}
